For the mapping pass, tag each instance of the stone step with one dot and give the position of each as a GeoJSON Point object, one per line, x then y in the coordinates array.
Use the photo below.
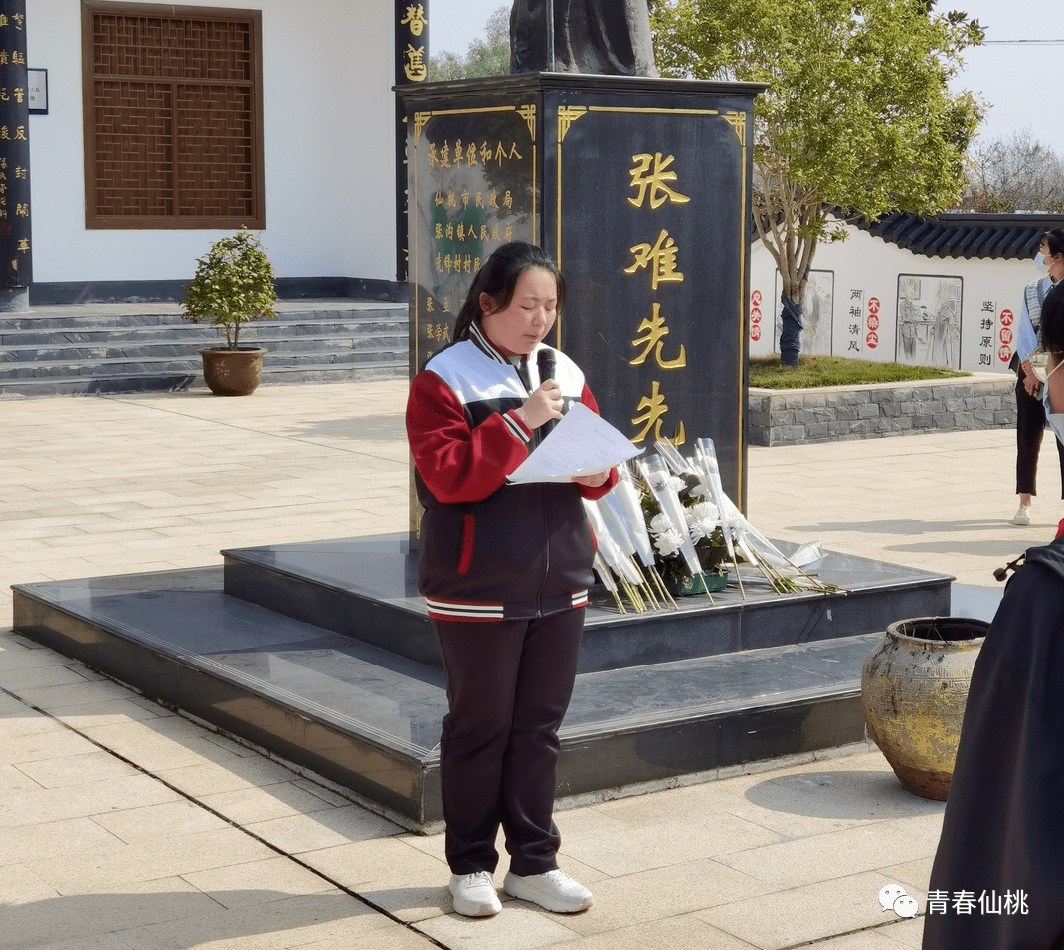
{"type": "Point", "coordinates": [369, 720]}
{"type": "Point", "coordinates": [129, 348]}
{"type": "Point", "coordinates": [16, 341]}
{"type": "Point", "coordinates": [165, 314]}
{"type": "Point", "coordinates": [367, 589]}
{"type": "Point", "coordinates": [112, 350]}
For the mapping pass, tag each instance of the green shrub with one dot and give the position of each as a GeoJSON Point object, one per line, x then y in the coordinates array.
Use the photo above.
{"type": "Point", "coordinates": [233, 284]}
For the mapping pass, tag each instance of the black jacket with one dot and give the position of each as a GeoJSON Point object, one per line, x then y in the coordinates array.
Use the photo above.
{"type": "Point", "coordinates": [1003, 833]}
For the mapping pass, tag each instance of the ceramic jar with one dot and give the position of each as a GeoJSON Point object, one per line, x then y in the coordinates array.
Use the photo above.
{"type": "Point", "coordinates": [914, 688]}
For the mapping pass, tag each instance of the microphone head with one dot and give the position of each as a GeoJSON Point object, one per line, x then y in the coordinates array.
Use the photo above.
{"type": "Point", "coordinates": [546, 364]}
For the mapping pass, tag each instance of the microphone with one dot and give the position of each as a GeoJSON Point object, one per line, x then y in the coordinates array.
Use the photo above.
{"type": "Point", "coordinates": [547, 365]}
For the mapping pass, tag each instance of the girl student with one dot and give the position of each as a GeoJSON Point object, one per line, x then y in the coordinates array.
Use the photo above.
{"type": "Point", "coordinates": [505, 571]}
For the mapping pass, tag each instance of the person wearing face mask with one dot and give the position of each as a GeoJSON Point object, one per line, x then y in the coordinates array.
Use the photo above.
{"type": "Point", "coordinates": [1030, 415]}
{"type": "Point", "coordinates": [504, 569]}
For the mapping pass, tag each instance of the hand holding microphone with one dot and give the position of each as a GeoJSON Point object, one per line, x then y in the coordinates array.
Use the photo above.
{"type": "Point", "coordinates": [547, 365]}
{"type": "Point", "coordinates": [543, 406]}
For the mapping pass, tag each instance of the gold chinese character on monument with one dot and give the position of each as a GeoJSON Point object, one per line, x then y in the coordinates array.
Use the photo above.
{"type": "Point", "coordinates": [649, 175]}
{"type": "Point", "coordinates": [655, 331]}
{"type": "Point", "coordinates": [659, 258]}
{"type": "Point", "coordinates": [655, 407]}
{"type": "Point", "coordinates": [415, 19]}
{"type": "Point", "coordinates": [415, 68]}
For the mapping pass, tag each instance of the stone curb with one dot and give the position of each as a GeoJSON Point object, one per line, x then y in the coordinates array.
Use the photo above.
{"type": "Point", "coordinates": [835, 413]}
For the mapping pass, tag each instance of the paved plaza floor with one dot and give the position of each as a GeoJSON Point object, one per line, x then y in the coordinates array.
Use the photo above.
{"type": "Point", "coordinates": [124, 826]}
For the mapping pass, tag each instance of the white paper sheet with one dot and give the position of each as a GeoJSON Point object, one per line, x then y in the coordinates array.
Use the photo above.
{"type": "Point", "coordinates": [582, 443]}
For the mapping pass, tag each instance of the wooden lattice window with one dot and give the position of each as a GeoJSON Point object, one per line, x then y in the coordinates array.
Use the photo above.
{"type": "Point", "coordinates": [173, 116]}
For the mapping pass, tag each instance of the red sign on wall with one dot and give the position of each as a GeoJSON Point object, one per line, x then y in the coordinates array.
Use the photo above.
{"type": "Point", "coordinates": [1006, 318]}
{"type": "Point", "coordinates": [872, 322]}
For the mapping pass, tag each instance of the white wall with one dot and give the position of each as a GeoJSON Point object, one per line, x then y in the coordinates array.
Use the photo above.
{"type": "Point", "coordinates": [329, 117]}
{"type": "Point", "coordinates": [864, 269]}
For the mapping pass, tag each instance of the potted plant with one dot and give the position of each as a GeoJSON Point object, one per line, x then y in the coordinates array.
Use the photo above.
{"type": "Point", "coordinates": [233, 285]}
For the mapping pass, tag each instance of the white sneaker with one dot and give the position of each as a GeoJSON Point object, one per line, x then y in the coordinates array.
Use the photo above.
{"type": "Point", "coordinates": [474, 894]}
{"type": "Point", "coordinates": [1023, 516]}
{"type": "Point", "coordinates": [554, 890]}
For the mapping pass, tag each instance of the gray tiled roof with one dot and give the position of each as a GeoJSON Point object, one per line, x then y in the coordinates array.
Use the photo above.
{"type": "Point", "coordinates": [1003, 236]}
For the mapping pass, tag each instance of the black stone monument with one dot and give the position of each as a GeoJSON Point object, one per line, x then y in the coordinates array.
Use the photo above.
{"type": "Point", "coordinates": [640, 189]}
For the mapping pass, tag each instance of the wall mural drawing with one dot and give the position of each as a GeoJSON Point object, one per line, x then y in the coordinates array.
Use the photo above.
{"type": "Point", "coordinates": [929, 321]}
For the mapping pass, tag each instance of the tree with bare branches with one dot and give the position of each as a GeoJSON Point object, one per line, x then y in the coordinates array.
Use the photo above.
{"type": "Point", "coordinates": [1015, 173]}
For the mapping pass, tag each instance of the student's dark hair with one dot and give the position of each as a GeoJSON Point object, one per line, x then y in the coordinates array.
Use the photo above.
{"type": "Point", "coordinates": [497, 278]}
{"type": "Point", "coordinates": [1055, 240]}
{"type": "Point", "coordinates": [1053, 319]}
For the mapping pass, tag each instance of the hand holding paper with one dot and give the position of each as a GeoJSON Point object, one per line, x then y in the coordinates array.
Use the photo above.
{"type": "Point", "coordinates": [582, 443]}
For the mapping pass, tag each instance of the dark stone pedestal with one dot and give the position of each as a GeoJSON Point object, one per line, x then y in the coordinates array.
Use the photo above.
{"type": "Point", "coordinates": [322, 654]}
{"type": "Point", "coordinates": [640, 189]}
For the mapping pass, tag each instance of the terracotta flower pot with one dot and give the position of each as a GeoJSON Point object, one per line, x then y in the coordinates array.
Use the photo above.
{"type": "Point", "coordinates": [914, 688]}
{"type": "Point", "coordinates": [233, 372]}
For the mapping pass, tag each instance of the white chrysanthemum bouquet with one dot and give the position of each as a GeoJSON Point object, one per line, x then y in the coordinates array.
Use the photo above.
{"type": "Point", "coordinates": [668, 528]}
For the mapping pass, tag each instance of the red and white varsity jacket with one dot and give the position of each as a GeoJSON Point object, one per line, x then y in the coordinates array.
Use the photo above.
{"type": "Point", "coordinates": [492, 551]}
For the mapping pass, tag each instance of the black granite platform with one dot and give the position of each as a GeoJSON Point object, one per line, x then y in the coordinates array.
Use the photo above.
{"type": "Point", "coordinates": [367, 589]}
{"type": "Point", "coordinates": [660, 696]}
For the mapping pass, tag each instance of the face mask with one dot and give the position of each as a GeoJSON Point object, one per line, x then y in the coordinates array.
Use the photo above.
{"type": "Point", "coordinates": [1040, 263]}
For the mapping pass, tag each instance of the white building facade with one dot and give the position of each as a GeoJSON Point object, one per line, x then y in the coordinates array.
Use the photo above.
{"type": "Point", "coordinates": [327, 139]}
